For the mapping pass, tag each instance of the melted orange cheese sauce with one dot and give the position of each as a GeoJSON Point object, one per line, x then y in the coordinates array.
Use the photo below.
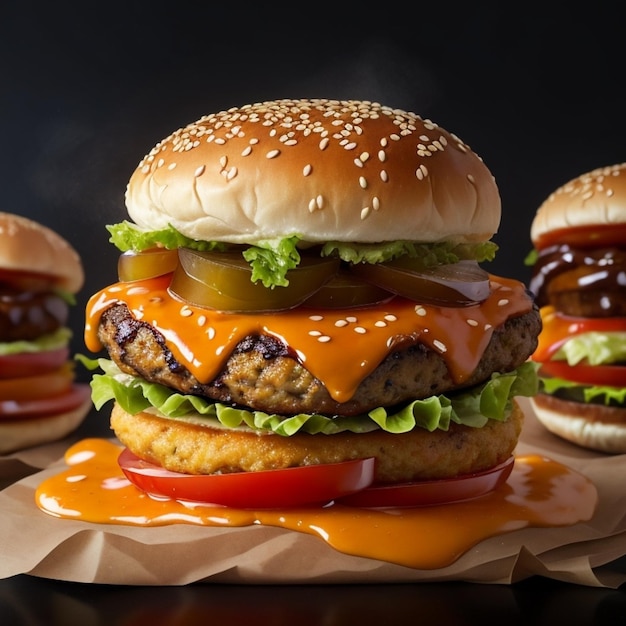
{"type": "Point", "coordinates": [324, 340]}
{"type": "Point", "coordinates": [538, 493]}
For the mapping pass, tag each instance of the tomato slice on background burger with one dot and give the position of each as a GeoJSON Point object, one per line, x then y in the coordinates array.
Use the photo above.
{"type": "Point", "coordinates": [32, 363]}
{"type": "Point", "coordinates": [609, 375]}
{"type": "Point", "coordinates": [71, 399]}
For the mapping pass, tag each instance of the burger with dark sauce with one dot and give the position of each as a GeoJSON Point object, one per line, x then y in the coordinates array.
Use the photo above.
{"type": "Point", "coordinates": [40, 272]}
{"type": "Point", "coordinates": [301, 295]}
{"type": "Point", "coordinates": [579, 279]}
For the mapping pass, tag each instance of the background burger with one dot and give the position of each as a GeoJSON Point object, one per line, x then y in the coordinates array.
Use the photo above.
{"type": "Point", "coordinates": [579, 278]}
{"type": "Point", "coordinates": [39, 274]}
{"type": "Point", "coordinates": [300, 287]}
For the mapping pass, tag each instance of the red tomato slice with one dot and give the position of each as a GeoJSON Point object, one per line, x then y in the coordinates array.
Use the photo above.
{"type": "Point", "coordinates": [609, 375]}
{"type": "Point", "coordinates": [31, 363]}
{"type": "Point", "coordinates": [292, 487]}
{"type": "Point", "coordinates": [432, 492]}
{"type": "Point", "coordinates": [78, 394]}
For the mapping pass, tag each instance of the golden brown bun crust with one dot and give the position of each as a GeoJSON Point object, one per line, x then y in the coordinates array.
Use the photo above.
{"type": "Point", "coordinates": [27, 246]}
{"type": "Point", "coordinates": [594, 198]}
{"type": "Point", "coordinates": [588, 425]}
{"type": "Point", "coordinates": [418, 455]}
{"type": "Point", "coordinates": [322, 169]}
{"type": "Point", "coordinates": [25, 433]}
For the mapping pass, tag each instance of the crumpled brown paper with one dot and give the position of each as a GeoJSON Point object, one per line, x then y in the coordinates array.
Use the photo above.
{"type": "Point", "coordinates": [34, 543]}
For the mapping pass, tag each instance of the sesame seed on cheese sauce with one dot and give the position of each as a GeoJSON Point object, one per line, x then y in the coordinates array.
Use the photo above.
{"type": "Point", "coordinates": [323, 340]}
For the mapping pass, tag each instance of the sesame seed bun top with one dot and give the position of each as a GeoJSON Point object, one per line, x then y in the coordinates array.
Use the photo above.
{"type": "Point", "coordinates": [321, 169]}
{"type": "Point", "coordinates": [596, 198]}
{"type": "Point", "coordinates": [28, 246]}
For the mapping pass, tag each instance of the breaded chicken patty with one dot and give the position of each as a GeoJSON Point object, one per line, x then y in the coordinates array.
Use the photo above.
{"type": "Point", "coordinates": [191, 448]}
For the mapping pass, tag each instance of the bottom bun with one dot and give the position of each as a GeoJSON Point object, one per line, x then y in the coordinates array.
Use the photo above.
{"type": "Point", "coordinates": [588, 425]}
{"type": "Point", "coordinates": [25, 433]}
{"type": "Point", "coordinates": [191, 448]}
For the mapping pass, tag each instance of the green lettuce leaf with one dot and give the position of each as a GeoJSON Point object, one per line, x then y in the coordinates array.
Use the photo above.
{"type": "Point", "coordinates": [596, 347]}
{"type": "Point", "coordinates": [472, 407]}
{"type": "Point", "coordinates": [126, 237]}
{"type": "Point", "coordinates": [58, 339]}
{"type": "Point", "coordinates": [598, 394]}
{"type": "Point", "coordinates": [426, 254]}
{"type": "Point", "coordinates": [272, 259]}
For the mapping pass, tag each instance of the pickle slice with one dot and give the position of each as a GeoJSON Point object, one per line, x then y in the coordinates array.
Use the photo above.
{"type": "Point", "coordinates": [344, 291]}
{"type": "Point", "coordinates": [222, 281]}
{"type": "Point", "coordinates": [457, 284]}
{"type": "Point", "coordinates": [146, 264]}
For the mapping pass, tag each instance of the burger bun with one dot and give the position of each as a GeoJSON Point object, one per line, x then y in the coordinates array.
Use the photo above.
{"type": "Point", "coordinates": [28, 246]}
{"type": "Point", "coordinates": [586, 425]}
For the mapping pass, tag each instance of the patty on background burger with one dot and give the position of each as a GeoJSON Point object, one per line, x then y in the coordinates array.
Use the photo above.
{"type": "Point", "coordinates": [300, 285]}
{"type": "Point", "coordinates": [579, 279]}
{"type": "Point", "coordinates": [40, 272]}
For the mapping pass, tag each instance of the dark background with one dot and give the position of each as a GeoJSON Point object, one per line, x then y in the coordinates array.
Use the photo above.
{"type": "Point", "coordinates": [88, 88]}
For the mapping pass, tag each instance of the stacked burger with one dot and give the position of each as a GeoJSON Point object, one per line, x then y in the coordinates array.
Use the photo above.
{"type": "Point", "coordinates": [40, 272]}
{"type": "Point", "coordinates": [301, 287]}
{"type": "Point", "coordinates": [579, 279]}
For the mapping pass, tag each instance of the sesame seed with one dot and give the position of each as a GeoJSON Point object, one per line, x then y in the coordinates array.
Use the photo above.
{"type": "Point", "coordinates": [210, 332]}
{"type": "Point", "coordinates": [272, 154]}
{"type": "Point", "coordinates": [382, 156]}
{"type": "Point", "coordinates": [440, 345]}
{"type": "Point", "coordinates": [472, 322]}
{"type": "Point", "coordinates": [341, 323]}
{"type": "Point", "coordinates": [358, 162]}
{"type": "Point", "coordinates": [363, 182]}
{"type": "Point", "coordinates": [391, 318]}
{"type": "Point", "coordinates": [351, 319]}
{"type": "Point", "coordinates": [384, 176]}
{"type": "Point", "coordinates": [315, 333]}
{"type": "Point", "coordinates": [487, 327]}
{"type": "Point", "coordinates": [324, 143]}
{"type": "Point", "coordinates": [186, 311]}
{"type": "Point", "coordinates": [503, 302]}
{"type": "Point", "coordinates": [420, 310]}
{"type": "Point", "coordinates": [360, 330]}
{"type": "Point", "coordinates": [202, 320]}
{"type": "Point", "coordinates": [350, 146]}
{"type": "Point", "coordinates": [316, 318]}
{"type": "Point", "coordinates": [307, 169]}
{"type": "Point", "coordinates": [380, 324]}
{"type": "Point", "coordinates": [365, 211]}
{"type": "Point", "coordinates": [375, 203]}
{"type": "Point", "coordinates": [324, 339]}
{"type": "Point", "coordinates": [246, 151]}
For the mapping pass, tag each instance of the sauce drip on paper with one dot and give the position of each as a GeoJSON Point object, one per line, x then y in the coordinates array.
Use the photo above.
{"type": "Point", "coordinates": [538, 493]}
